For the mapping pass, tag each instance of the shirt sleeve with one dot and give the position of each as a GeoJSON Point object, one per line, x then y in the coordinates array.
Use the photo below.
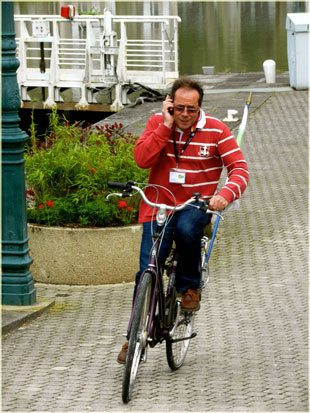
{"type": "Point", "coordinates": [151, 142]}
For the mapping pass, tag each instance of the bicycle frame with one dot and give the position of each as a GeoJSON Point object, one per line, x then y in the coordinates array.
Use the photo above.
{"type": "Point", "coordinates": [208, 249]}
{"type": "Point", "coordinates": [213, 237]}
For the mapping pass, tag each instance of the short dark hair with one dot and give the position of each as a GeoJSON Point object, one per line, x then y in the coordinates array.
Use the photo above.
{"type": "Point", "coordinates": [185, 82]}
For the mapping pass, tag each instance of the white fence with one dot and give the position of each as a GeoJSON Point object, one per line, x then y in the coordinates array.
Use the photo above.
{"type": "Point", "coordinates": [91, 53]}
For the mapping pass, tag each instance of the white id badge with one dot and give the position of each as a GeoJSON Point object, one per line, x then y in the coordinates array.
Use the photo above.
{"type": "Point", "coordinates": [177, 177]}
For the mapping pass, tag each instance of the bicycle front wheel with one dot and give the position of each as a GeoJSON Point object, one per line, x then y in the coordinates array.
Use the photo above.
{"type": "Point", "coordinates": [176, 346]}
{"type": "Point", "coordinates": [138, 336]}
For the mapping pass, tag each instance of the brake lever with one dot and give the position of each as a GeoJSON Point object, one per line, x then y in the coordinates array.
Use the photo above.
{"type": "Point", "coordinates": [219, 214]}
{"type": "Point", "coordinates": [113, 194]}
{"type": "Point", "coordinates": [120, 195]}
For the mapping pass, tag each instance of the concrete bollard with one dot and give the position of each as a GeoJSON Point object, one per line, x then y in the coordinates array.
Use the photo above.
{"type": "Point", "coordinates": [270, 70]}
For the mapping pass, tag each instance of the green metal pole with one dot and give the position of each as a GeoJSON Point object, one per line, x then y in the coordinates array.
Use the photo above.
{"type": "Point", "coordinates": [17, 281]}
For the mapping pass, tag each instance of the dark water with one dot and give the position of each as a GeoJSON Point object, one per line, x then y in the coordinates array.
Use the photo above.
{"type": "Point", "coordinates": [232, 36]}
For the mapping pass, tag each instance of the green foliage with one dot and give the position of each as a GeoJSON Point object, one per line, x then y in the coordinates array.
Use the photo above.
{"type": "Point", "coordinates": [90, 12]}
{"type": "Point", "coordinates": [67, 174]}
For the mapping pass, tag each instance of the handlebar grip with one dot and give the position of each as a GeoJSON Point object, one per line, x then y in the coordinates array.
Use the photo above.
{"type": "Point", "coordinates": [122, 185]}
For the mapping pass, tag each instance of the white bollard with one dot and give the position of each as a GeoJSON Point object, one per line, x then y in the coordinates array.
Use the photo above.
{"type": "Point", "coordinates": [270, 71]}
{"type": "Point", "coordinates": [230, 116]}
{"type": "Point", "coordinates": [208, 70]}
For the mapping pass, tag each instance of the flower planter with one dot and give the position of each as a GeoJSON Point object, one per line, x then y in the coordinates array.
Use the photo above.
{"type": "Point", "coordinates": [89, 256]}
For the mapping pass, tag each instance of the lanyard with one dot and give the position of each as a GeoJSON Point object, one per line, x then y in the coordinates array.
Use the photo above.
{"type": "Point", "coordinates": [189, 139]}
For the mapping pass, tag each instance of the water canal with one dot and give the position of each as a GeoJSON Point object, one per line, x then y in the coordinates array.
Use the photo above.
{"type": "Point", "coordinates": [234, 36]}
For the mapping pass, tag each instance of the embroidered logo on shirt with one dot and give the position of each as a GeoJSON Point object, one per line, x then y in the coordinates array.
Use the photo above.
{"type": "Point", "coordinates": [204, 150]}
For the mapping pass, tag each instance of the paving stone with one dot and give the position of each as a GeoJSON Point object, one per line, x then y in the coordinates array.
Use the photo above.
{"type": "Point", "coordinates": [251, 352]}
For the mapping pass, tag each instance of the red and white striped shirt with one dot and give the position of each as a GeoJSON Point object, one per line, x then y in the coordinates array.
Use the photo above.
{"type": "Point", "coordinates": [211, 148]}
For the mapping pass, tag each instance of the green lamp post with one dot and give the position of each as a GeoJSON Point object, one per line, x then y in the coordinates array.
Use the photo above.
{"type": "Point", "coordinates": [17, 281]}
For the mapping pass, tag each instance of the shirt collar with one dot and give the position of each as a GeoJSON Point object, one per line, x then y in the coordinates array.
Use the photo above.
{"type": "Point", "coordinates": [201, 120]}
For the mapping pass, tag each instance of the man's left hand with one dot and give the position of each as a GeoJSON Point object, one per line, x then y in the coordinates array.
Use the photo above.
{"type": "Point", "coordinates": [217, 203]}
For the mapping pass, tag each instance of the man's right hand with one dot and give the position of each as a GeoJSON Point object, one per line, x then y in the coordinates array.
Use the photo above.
{"type": "Point", "coordinates": [168, 119]}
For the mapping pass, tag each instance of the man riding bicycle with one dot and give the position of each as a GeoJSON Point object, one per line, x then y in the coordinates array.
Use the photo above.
{"type": "Point", "coordinates": [186, 151]}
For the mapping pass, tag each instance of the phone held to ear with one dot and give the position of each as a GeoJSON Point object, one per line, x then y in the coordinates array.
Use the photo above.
{"type": "Point", "coordinates": [171, 110]}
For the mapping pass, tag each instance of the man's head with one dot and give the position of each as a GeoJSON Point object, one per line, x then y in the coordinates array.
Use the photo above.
{"type": "Point", "coordinates": [186, 83]}
{"type": "Point", "coordinates": [187, 97]}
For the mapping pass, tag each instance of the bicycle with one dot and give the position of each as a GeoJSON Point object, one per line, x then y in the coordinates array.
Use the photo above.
{"type": "Point", "coordinates": [157, 315]}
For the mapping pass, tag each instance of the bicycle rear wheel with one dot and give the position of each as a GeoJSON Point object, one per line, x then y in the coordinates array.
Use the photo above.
{"type": "Point", "coordinates": [138, 336]}
{"type": "Point", "coordinates": [176, 350]}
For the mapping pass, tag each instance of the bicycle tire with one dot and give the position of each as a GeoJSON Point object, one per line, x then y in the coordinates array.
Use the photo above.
{"type": "Point", "coordinates": [177, 351]}
{"type": "Point", "coordinates": [137, 340]}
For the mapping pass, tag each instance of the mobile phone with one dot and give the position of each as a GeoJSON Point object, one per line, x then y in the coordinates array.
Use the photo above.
{"type": "Point", "coordinates": [170, 110]}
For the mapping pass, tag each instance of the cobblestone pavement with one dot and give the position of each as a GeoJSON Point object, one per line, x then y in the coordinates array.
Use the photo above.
{"type": "Point", "coordinates": [251, 352]}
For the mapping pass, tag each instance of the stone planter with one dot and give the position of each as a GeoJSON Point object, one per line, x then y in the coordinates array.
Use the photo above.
{"type": "Point", "coordinates": [89, 256]}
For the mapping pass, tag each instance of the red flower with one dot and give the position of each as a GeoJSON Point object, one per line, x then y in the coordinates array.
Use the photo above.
{"type": "Point", "coordinates": [93, 170]}
{"type": "Point", "coordinates": [41, 206]}
{"type": "Point", "coordinates": [29, 192]}
{"type": "Point", "coordinates": [50, 204]}
{"type": "Point", "coordinates": [122, 204]}
{"type": "Point", "coordinates": [129, 208]}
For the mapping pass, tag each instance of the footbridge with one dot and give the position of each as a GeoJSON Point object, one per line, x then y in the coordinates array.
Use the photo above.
{"type": "Point", "coordinates": [94, 55]}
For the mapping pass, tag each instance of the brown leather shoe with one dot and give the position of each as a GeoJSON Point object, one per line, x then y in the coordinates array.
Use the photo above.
{"type": "Point", "coordinates": [190, 300]}
{"type": "Point", "coordinates": [121, 358]}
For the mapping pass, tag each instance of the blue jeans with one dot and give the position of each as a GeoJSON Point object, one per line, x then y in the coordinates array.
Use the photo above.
{"type": "Point", "coordinates": [186, 227]}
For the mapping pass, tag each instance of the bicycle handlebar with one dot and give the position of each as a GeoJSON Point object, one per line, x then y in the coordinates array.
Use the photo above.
{"type": "Point", "coordinates": [122, 185]}
{"type": "Point", "coordinates": [130, 186]}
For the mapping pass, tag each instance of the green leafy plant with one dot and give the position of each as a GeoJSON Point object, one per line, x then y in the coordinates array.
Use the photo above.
{"type": "Point", "coordinates": [67, 173]}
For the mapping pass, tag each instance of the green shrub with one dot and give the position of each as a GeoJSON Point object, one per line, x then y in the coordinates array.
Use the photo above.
{"type": "Point", "coordinates": [67, 174]}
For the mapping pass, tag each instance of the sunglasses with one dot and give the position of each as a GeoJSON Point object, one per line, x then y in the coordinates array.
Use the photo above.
{"type": "Point", "coordinates": [191, 110]}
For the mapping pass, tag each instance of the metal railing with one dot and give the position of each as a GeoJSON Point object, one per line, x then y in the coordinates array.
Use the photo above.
{"type": "Point", "coordinates": [91, 53]}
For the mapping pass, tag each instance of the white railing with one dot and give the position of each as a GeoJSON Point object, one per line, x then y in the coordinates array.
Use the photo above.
{"type": "Point", "coordinates": [91, 53]}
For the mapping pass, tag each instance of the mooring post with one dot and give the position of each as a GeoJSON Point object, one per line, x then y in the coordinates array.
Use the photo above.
{"type": "Point", "coordinates": [17, 281]}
